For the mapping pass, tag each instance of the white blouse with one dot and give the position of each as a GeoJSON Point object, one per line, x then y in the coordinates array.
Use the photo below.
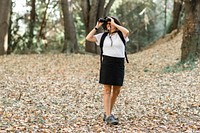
{"type": "Point", "coordinates": [113, 45]}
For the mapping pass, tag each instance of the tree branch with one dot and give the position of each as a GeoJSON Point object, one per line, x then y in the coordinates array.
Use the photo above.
{"type": "Point", "coordinates": [108, 6]}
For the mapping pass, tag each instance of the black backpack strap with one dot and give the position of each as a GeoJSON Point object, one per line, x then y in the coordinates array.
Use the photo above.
{"type": "Point", "coordinates": [124, 41]}
{"type": "Point", "coordinates": [101, 44]}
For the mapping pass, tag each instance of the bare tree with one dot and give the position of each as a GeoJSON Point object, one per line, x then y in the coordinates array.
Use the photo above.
{"type": "Point", "coordinates": [191, 35]}
{"type": "Point", "coordinates": [70, 43]}
{"type": "Point", "coordinates": [4, 24]}
{"type": "Point", "coordinates": [92, 10]}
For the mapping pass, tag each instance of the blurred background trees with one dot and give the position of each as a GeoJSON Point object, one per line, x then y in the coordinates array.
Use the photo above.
{"type": "Point", "coordinates": [41, 26]}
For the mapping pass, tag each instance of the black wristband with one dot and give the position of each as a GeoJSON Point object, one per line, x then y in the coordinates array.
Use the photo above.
{"type": "Point", "coordinates": [96, 28]}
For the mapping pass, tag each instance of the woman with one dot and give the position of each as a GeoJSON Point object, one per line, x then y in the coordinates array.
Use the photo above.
{"type": "Point", "coordinates": [112, 66]}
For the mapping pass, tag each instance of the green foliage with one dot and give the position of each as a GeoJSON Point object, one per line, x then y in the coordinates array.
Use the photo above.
{"type": "Point", "coordinates": [80, 31]}
{"type": "Point", "coordinates": [47, 30]}
{"type": "Point", "coordinates": [21, 41]}
{"type": "Point", "coordinates": [181, 66]}
{"type": "Point", "coordinates": [144, 19]}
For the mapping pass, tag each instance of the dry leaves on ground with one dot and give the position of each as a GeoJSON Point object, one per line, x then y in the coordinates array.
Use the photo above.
{"type": "Point", "coordinates": [59, 93]}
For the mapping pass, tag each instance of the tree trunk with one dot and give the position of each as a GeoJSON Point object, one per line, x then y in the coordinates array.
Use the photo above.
{"type": "Point", "coordinates": [176, 14]}
{"type": "Point", "coordinates": [165, 21]}
{"type": "Point", "coordinates": [70, 43]}
{"type": "Point", "coordinates": [90, 15]}
{"type": "Point", "coordinates": [9, 49]}
{"type": "Point", "coordinates": [191, 34]}
{"type": "Point", "coordinates": [32, 23]}
{"type": "Point", "coordinates": [4, 24]}
{"type": "Point", "coordinates": [92, 11]}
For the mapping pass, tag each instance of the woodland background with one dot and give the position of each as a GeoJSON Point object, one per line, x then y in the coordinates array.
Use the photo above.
{"type": "Point", "coordinates": [40, 26]}
{"type": "Point", "coordinates": [49, 73]}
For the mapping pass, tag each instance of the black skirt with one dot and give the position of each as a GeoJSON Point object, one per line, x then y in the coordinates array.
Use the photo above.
{"type": "Point", "coordinates": [112, 71]}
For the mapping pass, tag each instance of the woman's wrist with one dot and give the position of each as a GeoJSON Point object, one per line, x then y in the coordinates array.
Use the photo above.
{"type": "Point", "coordinates": [96, 28]}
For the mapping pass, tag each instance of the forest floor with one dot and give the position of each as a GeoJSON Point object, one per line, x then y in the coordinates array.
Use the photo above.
{"type": "Point", "coordinates": [61, 93]}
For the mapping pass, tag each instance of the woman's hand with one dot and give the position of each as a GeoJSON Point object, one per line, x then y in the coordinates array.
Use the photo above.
{"type": "Point", "coordinates": [124, 31]}
{"type": "Point", "coordinates": [112, 22]}
{"type": "Point", "coordinates": [90, 37]}
{"type": "Point", "coordinates": [98, 24]}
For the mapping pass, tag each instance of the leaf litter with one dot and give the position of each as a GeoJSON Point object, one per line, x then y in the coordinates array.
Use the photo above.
{"type": "Point", "coordinates": [59, 93]}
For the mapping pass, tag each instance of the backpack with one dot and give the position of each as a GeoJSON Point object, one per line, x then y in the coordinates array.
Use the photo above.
{"type": "Point", "coordinates": [102, 40]}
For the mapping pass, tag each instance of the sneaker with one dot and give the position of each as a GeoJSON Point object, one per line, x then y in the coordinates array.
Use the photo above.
{"type": "Point", "coordinates": [104, 117]}
{"type": "Point", "coordinates": [111, 120]}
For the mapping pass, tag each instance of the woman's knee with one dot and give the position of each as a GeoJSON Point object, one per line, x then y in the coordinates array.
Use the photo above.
{"type": "Point", "coordinates": [107, 89]}
{"type": "Point", "coordinates": [116, 89]}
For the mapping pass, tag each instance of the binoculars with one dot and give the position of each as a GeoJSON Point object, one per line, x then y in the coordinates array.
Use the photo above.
{"type": "Point", "coordinates": [104, 20]}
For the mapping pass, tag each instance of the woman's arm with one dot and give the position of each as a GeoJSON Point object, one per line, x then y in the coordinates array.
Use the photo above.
{"type": "Point", "coordinates": [124, 31]}
{"type": "Point", "coordinates": [90, 37]}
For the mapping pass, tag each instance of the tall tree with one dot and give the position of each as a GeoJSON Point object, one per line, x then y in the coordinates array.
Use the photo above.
{"type": "Point", "coordinates": [92, 10]}
{"type": "Point", "coordinates": [178, 4]}
{"type": "Point", "coordinates": [32, 22]}
{"type": "Point", "coordinates": [191, 34]}
{"type": "Point", "coordinates": [4, 24]}
{"type": "Point", "coordinates": [70, 43]}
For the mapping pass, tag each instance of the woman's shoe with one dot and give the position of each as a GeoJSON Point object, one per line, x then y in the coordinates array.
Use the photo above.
{"type": "Point", "coordinates": [111, 120]}
{"type": "Point", "coordinates": [104, 117]}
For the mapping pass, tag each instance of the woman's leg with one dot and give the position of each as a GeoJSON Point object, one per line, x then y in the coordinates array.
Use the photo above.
{"type": "Point", "coordinates": [115, 93]}
{"type": "Point", "coordinates": [107, 99]}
